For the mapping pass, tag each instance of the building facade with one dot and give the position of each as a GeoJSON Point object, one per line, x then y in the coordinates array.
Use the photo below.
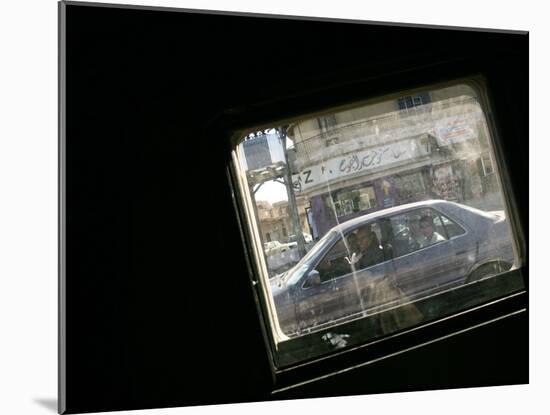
{"type": "Point", "coordinates": [433, 144]}
{"type": "Point", "coordinates": [275, 222]}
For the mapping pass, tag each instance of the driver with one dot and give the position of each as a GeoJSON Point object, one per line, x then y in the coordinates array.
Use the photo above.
{"type": "Point", "coordinates": [370, 249]}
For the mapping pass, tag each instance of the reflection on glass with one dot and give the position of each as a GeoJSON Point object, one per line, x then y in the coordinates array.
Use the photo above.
{"type": "Point", "coordinates": [363, 212]}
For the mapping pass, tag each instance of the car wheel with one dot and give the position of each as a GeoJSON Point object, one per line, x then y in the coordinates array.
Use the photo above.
{"type": "Point", "coordinates": [489, 270]}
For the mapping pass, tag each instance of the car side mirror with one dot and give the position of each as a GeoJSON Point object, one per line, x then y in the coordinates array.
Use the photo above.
{"type": "Point", "coordinates": [313, 278]}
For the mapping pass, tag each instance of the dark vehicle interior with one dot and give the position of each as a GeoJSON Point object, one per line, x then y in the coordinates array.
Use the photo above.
{"type": "Point", "coordinates": [151, 102]}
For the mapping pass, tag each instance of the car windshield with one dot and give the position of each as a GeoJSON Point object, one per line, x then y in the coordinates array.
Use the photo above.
{"type": "Point", "coordinates": [297, 271]}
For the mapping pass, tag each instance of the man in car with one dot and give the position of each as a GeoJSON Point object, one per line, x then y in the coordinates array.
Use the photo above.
{"type": "Point", "coordinates": [427, 229]}
{"type": "Point", "coordinates": [415, 236]}
{"type": "Point", "coordinates": [371, 252]}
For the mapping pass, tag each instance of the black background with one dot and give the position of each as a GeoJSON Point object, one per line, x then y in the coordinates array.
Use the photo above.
{"type": "Point", "coordinates": [159, 307]}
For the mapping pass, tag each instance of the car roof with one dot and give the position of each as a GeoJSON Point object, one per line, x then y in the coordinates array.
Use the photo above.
{"type": "Point", "coordinates": [352, 223]}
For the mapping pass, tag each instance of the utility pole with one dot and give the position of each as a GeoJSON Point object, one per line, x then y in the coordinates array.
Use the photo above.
{"type": "Point", "coordinates": [292, 206]}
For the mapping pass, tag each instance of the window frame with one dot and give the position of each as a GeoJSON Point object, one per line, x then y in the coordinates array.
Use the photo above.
{"type": "Point", "coordinates": [478, 83]}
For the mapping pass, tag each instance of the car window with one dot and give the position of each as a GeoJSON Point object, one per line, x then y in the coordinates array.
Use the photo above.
{"type": "Point", "coordinates": [335, 263]}
{"type": "Point", "coordinates": [415, 230]}
{"type": "Point", "coordinates": [451, 228]}
{"type": "Point", "coordinates": [367, 246]}
{"type": "Point", "coordinates": [414, 170]}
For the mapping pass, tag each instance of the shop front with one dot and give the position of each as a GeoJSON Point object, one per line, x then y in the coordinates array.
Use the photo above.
{"type": "Point", "coordinates": [460, 179]}
{"type": "Point", "coordinates": [338, 206]}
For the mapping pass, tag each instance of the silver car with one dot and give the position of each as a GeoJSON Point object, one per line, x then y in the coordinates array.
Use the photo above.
{"type": "Point", "coordinates": [414, 250]}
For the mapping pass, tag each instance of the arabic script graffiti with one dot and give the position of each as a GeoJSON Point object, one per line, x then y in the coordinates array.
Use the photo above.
{"type": "Point", "coordinates": [355, 163]}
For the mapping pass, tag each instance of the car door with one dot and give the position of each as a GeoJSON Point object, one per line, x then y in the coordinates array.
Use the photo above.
{"type": "Point", "coordinates": [464, 244]}
{"type": "Point", "coordinates": [374, 282]}
{"type": "Point", "coordinates": [344, 289]}
{"type": "Point", "coordinates": [421, 266]}
{"type": "Point", "coordinates": [318, 303]}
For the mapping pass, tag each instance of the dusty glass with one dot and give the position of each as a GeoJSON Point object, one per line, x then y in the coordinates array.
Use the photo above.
{"type": "Point", "coordinates": [370, 208]}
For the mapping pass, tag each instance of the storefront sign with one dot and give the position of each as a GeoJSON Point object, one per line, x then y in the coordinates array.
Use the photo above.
{"type": "Point", "coordinates": [456, 129]}
{"type": "Point", "coordinates": [357, 162]}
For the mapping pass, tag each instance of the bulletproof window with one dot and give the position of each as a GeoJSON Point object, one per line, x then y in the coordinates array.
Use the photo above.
{"type": "Point", "coordinates": [415, 177]}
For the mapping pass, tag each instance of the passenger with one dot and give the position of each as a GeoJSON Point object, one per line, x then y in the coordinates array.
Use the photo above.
{"type": "Point", "coordinates": [428, 231]}
{"type": "Point", "coordinates": [371, 251]}
{"type": "Point", "coordinates": [415, 236]}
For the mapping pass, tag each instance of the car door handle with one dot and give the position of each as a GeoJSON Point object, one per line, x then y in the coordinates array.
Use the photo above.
{"type": "Point", "coordinates": [461, 252]}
